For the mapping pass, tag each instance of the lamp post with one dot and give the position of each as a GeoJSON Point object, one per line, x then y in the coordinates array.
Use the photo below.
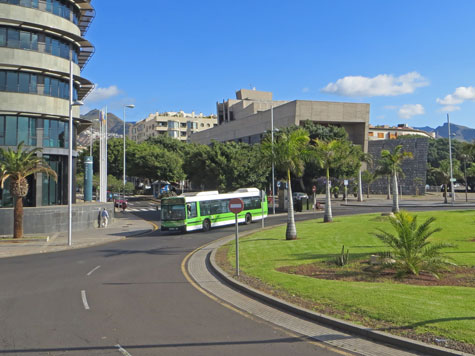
{"type": "Point", "coordinates": [131, 106]}
{"type": "Point", "coordinates": [272, 140]}
{"type": "Point", "coordinates": [450, 160]}
{"type": "Point", "coordinates": [70, 152]}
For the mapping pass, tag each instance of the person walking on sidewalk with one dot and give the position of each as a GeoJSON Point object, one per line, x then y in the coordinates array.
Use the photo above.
{"type": "Point", "coordinates": [104, 217]}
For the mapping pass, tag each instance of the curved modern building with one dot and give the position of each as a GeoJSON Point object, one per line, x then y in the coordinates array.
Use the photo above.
{"type": "Point", "coordinates": [38, 39]}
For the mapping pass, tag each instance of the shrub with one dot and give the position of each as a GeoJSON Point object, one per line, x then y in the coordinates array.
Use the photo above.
{"type": "Point", "coordinates": [411, 248]}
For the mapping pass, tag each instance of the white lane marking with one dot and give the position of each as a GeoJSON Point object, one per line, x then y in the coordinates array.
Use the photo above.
{"type": "Point", "coordinates": [92, 271]}
{"type": "Point", "coordinates": [84, 299]}
{"type": "Point", "coordinates": [122, 350]}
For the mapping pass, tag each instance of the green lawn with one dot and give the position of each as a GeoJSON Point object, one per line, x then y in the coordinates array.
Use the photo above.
{"type": "Point", "coordinates": [445, 311]}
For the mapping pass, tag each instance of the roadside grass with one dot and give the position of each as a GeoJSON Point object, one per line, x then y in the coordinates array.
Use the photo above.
{"type": "Point", "coordinates": [445, 311]}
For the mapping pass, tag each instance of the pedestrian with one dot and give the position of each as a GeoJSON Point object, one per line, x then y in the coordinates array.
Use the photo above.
{"type": "Point", "coordinates": [104, 218]}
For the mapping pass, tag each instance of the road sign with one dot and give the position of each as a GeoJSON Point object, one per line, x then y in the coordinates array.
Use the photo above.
{"type": "Point", "coordinates": [345, 182]}
{"type": "Point", "coordinates": [236, 205]}
{"type": "Point", "coordinates": [314, 189]}
{"type": "Point", "coordinates": [453, 179]}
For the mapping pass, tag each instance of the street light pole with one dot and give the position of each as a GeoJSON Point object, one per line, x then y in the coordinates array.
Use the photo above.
{"type": "Point", "coordinates": [450, 160]}
{"type": "Point", "coordinates": [70, 152]}
{"type": "Point", "coordinates": [131, 106]}
{"type": "Point", "coordinates": [272, 140]}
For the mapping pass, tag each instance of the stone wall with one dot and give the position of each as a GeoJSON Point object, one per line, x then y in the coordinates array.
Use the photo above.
{"type": "Point", "coordinates": [51, 219]}
{"type": "Point", "coordinates": [414, 179]}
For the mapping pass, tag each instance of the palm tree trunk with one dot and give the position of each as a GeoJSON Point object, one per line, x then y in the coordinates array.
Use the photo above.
{"type": "Point", "coordinates": [395, 194]}
{"type": "Point", "coordinates": [360, 186]}
{"type": "Point", "coordinates": [389, 188]}
{"type": "Point", "coordinates": [291, 232]}
{"type": "Point", "coordinates": [18, 218]}
{"type": "Point", "coordinates": [327, 217]}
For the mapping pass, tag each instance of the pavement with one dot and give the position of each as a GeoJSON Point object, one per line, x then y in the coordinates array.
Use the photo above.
{"type": "Point", "coordinates": [207, 277]}
{"type": "Point", "coordinates": [122, 226]}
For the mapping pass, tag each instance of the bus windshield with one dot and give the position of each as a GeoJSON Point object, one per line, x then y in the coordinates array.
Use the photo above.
{"type": "Point", "coordinates": [173, 212]}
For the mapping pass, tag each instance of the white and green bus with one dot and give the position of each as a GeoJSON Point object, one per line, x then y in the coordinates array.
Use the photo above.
{"type": "Point", "coordinates": [204, 210]}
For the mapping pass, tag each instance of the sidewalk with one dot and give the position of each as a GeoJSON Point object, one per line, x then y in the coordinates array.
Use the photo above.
{"type": "Point", "coordinates": [124, 225]}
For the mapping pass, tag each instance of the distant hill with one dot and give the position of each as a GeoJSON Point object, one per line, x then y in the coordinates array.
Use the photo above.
{"type": "Point", "coordinates": [115, 125]}
{"type": "Point", "coordinates": [462, 133]}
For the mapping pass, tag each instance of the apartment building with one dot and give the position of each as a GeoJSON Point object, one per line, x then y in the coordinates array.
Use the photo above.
{"type": "Point", "coordinates": [179, 125]}
{"type": "Point", "coordinates": [386, 132]}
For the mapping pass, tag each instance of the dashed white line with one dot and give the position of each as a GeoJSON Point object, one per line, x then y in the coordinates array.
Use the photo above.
{"type": "Point", "coordinates": [92, 271]}
{"type": "Point", "coordinates": [122, 350]}
{"type": "Point", "coordinates": [84, 299]}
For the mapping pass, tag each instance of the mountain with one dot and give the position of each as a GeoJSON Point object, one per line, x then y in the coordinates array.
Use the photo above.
{"type": "Point", "coordinates": [115, 127]}
{"type": "Point", "coordinates": [459, 132]}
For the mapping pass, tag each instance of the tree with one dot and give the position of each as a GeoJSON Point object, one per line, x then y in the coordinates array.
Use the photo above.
{"type": "Point", "coordinates": [288, 153]}
{"type": "Point", "coordinates": [412, 250]}
{"type": "Point", "coordinates": [383, 169]}
{"type": "Point", "coordinates": [17, 166]}
{"type": "Point", "coordinates": [394, 160]}
{"type": "Point", "coordinates": [329, 155]}
{"type": "Point", "coordinates": [154, 163]}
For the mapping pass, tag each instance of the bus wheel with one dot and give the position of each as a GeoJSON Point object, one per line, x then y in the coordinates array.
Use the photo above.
{"type": "Point", "coordinates": [248, 219]}
{"type": "Point", "coordinates": [206, 225]}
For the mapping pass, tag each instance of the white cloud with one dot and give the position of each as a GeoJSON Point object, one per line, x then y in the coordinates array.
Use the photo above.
{"type": "Point", "coordinates": [99, 94]}
{"type": "Point", "coordinates": [381, 85]}
{"type": "Point", "coordinates": [409, 110]}
{"type": "Point", "coordinates": [305, 90]}
{"type": "Point", "coordinates": [449, 108]}
{"type": "Point", "coordinates": [390, 107]}
{"type": "Point", "coordinates": [460, 95]}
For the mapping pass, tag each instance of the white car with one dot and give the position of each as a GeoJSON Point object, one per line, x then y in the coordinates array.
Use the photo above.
{"type": "Point", "coordinates": [299, 196]}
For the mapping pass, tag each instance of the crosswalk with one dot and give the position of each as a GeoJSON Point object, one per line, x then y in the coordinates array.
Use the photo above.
{"type": "Point", "coordinates": [130, 209]}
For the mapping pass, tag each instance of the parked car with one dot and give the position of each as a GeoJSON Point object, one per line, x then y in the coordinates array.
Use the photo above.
{"type": "Point", "coordinates": [120, 203]}
{"type": "Point", "coordinates": [299, 196]}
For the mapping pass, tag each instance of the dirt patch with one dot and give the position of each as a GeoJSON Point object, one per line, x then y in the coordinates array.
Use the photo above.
{"type": "Point", "coordinates": [328, 309]}
{"type": "Point", "coordinates": [363, 272]}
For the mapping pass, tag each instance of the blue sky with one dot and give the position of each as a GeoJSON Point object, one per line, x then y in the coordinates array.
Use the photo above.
{"type": "Point", "coordinates": [413, 61]}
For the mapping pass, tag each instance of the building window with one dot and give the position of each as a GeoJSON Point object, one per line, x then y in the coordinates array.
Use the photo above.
{"type": "Point", "coordinates": [31, 40]}
{"type": "Point", "coordinates": [380, 134]}
{"type": "Point", "coordinates": [55, 133]}
{"type": "Point", "coordinates": [24, 82]}
{"type": "Point", "coordinates": [16, 129]}
{"type": "Point", "coordinates": [183, 125]}
{"type": "Point", "coordinates": [371, 134]}
{"type": "Point", "coordinates": [58, 7]}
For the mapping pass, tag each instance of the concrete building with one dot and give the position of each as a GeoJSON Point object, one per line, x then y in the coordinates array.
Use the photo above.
{"type": "Point", "coordinates": [38, 39]}
{"type": "Point", "coordinates": [179, 125]}
{"type": "Point", "coordinates": [386, 132]}
{"type": "Point", "coordinates": [248, 117]}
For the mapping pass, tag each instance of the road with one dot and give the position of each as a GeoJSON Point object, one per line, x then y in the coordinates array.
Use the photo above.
{"type": "Point", "coordinates": [130, 298]}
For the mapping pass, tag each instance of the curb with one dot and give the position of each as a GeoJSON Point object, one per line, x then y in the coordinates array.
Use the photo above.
{"type": "Point", "coordinates": [398, 341]}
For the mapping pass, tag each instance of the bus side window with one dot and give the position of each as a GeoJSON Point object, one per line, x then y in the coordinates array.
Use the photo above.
{"type": "Point", "coordinates": [191, 210]}
{"type": "Point", "coordinates": [204, 208]}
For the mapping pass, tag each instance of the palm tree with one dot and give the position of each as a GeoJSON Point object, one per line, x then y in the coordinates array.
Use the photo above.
{"type": "Point", "coordinates": [331, 155]}
{"type": "Point", "coordinates": [368, 177]}
{"type": "Point", "coordinates": [383, 170]}
{"type": "Point", "coordinates": [17, 166]}
{"type": "Point", "coordinates": [288, 152]}
{"type": "Point", "coordinates": [412, 250]}
{"type": "Point", "coordinates": [394, 160]}
{"type": "Point", "coordinates": [442, 174]}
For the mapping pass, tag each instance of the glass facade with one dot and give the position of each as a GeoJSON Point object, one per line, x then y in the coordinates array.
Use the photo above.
{"type": "Point", "coordinates": [15, 129]}
{"type": "Point", "coordinates": [52, 191]}
{"type": "Point", "coordinates": [58, 7]}
{"type": "Point", "coordinates": [24, 82]}
{"type": "Point", "coordinates": [55, 133]}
